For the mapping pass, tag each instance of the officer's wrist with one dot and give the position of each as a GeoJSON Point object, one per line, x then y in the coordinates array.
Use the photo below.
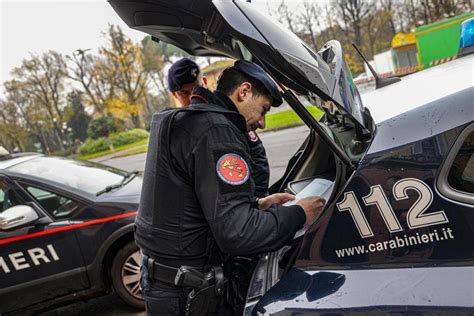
{"type": "Point", "coordinates": [256, 202]}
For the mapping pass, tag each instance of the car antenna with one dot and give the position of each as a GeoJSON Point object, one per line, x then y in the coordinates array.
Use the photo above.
{"type": "Point", "coordinates": [379, 82]}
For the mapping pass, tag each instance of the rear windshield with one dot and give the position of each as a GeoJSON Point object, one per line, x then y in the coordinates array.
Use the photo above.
{"type": "Point", "coordinates": [81, 175]}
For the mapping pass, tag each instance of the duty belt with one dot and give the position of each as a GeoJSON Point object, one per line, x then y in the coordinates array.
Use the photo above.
{"type": "Point", "coordinates": [185, 276]}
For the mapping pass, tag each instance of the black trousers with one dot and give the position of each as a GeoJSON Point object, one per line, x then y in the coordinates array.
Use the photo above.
{"type": "Point", "coordinates": [161, 298]}
{"type": "Point", "coordinates": [166, 299]}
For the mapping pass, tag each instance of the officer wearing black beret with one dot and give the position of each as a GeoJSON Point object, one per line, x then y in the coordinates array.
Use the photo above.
{"type": "Point", "coordinates": [183, 76]}
{"type": "Point", "coordinates": [198, 203]}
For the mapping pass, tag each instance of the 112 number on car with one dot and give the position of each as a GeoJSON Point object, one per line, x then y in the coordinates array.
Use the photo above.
{"type": "Point", "coordinates": [416, 216]}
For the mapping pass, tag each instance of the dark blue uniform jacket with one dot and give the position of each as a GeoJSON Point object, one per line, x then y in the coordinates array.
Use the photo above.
{"type": "Point", "coordinates": [259, 161]}
{"type": "Point", "coordinates": [198, 190]}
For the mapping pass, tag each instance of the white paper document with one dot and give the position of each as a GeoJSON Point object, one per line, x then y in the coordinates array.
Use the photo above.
{"type": "Point", "coordinates": [317, 187]}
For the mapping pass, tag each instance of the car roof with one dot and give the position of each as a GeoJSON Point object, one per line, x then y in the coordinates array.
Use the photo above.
{"type": "Point", "coordinates": [420, 88]}
{"type": "Point", "coordinates": [16, 159]}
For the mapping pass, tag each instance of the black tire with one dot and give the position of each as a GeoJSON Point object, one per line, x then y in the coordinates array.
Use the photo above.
{"type": "Point", "coordinates": [125, 275]}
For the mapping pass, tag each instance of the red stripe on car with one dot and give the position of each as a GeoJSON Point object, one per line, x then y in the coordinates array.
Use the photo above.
{"type": "Point", "coordinates": [65, 228]}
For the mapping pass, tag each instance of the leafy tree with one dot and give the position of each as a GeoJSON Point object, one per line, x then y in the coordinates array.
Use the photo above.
{"type": "Point", "coordinates": [79, 120]}
{"type": "Point", "coordinates": [96, 79]}
{"type": "Point", "coordinates": [125, 62]}
{"type": "Point", "coordinates": [125, 81]}
{"type": "Point", "coordinates": [41, 79]}
{"type": "Point", "coordinates": [31, 115]}
{"type": "Point", "coordinates": [120, 109]}
{"type": "Point", "coordinates": [103, 127]}
{"type": "Point", "coordinates": [12, 133]}
{"type": "Point", "coordinates": [155, 57]}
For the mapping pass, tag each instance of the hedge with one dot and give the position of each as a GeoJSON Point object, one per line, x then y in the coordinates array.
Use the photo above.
{"type": "Point", "coordinates": [119, 139]}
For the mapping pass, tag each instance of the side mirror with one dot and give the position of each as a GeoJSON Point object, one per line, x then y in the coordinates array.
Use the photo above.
{"type": "Point", "coordinates": [17, 216]}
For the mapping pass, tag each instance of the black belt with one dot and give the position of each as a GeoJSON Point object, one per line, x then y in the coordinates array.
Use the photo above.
{"type": "Point", "coordinates": [183, 276]}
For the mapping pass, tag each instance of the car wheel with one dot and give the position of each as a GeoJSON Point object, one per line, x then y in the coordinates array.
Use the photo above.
{"type": "Point", "coordinates": [125, 275]}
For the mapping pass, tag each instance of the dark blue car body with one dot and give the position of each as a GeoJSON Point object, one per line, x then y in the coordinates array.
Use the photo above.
{"type": "Point", "coordinates": [60, 257]}
{"type": "Point", "coordinates": [419, 268]}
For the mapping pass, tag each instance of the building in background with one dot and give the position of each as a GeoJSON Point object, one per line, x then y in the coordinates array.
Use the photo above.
{"type": "Point", "coordinates": [404, 49]}
{"type": "Point", "coordinates": [429, 45]}
{"type": "Point", "coordinates": [214, 70]}
{"type": "Point", "coordinates": [439, 42]}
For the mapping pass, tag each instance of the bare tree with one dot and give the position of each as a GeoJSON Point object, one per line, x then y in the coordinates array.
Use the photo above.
{"type": "Point", "coordinates": [285, 15]}
{"type": "Point", "coordinates": [411, 13]}
{"type": "Point", "coordinates": [378, 31]}
{"type": "Point", "coordinates": [86, 71]}
{"type": "Point", "coordinates": [389, 6]}
{"type": "Point", "coordinates": [448, 8]}
{"type": "Point", "coordinates": [310, 22]}
{"type": "Point", "coordinates": [353, 13]}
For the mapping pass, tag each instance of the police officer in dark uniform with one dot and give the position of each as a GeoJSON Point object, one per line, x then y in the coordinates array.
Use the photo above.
{"type": "Point", "coordinates": [185, 81]}
{"type": "Point", "coordinates": [198, 201]}
{"type": "Point", "coordinates": [183, 76]}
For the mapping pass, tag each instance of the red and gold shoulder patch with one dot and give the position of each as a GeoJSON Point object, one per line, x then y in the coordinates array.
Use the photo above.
{"type": "Point", "coordinates": [232, 169]}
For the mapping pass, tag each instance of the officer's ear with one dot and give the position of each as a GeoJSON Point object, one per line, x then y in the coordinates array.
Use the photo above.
{"type": "Point", "coordinates": [244, 91]}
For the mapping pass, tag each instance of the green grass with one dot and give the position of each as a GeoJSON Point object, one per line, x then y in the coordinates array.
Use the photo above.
{"type": "Point", "coordinates": [139, 150]}
{"type": "Point", "coordinates": [288, 118]}
{"type": "Point", "coordinates": [143, 142]}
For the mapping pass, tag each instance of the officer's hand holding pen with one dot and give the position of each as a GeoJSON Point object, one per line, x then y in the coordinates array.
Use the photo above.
{"type": "Point", "coordinates": [277, 198]}
{"type": "Point", "coordinates": [312, 206]}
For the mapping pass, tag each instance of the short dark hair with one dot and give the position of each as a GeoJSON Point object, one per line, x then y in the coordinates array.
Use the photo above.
{"type": "Point", "coordinates": [231, 79]}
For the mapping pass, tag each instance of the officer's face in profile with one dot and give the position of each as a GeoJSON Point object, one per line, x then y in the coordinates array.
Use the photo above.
{"type": "Point", "coordinates": [252, 107]}
{"type": "Point", "coordinates": [184, 94]}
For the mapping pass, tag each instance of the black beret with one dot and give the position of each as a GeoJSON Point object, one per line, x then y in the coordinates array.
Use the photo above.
{"type": "Point", "coordinates": [256, 72]}
{"type": "Point", "coordinates": [181, 72]}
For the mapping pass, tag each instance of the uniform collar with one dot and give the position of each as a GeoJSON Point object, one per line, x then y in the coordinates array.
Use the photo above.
{"type": "Point", "coordinates": [202, 95]}
{"type": "Point", "coordinates": [219, 100]}
{"type": "Point", "coordinates": [226, 101]}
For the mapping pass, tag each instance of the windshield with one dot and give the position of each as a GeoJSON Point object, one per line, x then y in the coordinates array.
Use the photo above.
{"type": "Point", "coordinates": [81, 175]}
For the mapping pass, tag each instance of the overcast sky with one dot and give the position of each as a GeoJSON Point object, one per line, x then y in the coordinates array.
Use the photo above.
{"type": "Point", "coordinates": [61, 25]}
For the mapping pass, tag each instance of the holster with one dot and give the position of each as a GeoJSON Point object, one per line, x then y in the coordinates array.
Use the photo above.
{"type": "Point", "coordinates": [206, 300]}
{"type": "Point", "coordinates": [239, 272]}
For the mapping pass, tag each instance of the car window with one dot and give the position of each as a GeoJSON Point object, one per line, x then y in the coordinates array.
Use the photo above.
{"type": "Point", "coordinates": [461, 173]}
{"type": "Point", "coordinates": [56, 205]}
{"type": "Point", "coordinates": [85, 176]}
{"type": "Point", "coordinates": [8, 196]}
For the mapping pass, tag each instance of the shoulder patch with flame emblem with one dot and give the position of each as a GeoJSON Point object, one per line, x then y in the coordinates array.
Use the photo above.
{"type": "Point", "coordinates": [232, 169]}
